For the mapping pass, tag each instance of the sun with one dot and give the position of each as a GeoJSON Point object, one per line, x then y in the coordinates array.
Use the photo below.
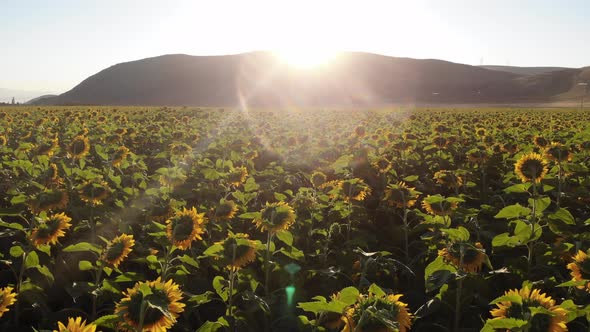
{"type": "Point", "coordinates": [306, 58]}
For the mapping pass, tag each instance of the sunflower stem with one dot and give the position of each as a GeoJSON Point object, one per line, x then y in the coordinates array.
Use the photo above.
{"type": "Point", "coordinates": [18, 288]}
{"type": "Point", "coordinates": [95, 294]}
{"type": "Point", "coordinates": [142, 312]}
{"type": "Point", "coordinates": [267, 265]}
{"type": "Point", "coordinates": [531, 243]}
{"type": "Point", "coordinates": [459, 289]}
{"type": "Point", "coordinates": [406, 237]}
{"type": "Point", "coordinates": [559, 182]}
{"type": "Point", "coordinates": [232, 275]}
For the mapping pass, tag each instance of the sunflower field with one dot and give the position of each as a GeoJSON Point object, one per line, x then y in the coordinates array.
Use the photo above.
{"type": "Point", "coordinates": [193, 219]}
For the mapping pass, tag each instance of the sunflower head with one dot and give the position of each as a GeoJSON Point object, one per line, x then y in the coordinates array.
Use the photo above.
{"type": "Point", "coordinates": [120, 155]}
{"type": "Point", "coordinates": [448, 178]}
{"type": "Point", "coordinates": [531, 168]}
{"type": "Point", "coordinates": [52, 199]}
{"type": "Point", "coordinates": [580, 269]}
{"type": "Point", "coordinates": [118, 249]}
{"type": "Point", "coordinates": [3, 140]}
{"type": "Point", "coordinates": [185, 227]}
{"type": "Point", "coordinates": [473, 257]}
{"type": "Point", "coordinates": [47, 148]}
{"type": "Point", "coordinates": [520, 306]}
{"type": "Point", "coordinates": [383, 165]}
{"type": "Point", "coordinates": [226, 210]}
{"type": "Point", "coordinates": [318, 178]}
{"type": "Point", "coordinates": [438, 205]}
{"type": "Point", "coordinates": [50, 229]}
{"type": "Point", "coordinates": [540, 141]}
{"type": "Point", "coordinates": [237, 176]}
{"type": "Point", "coordinates": [94, 192]}
{"type": "Point", "coordinates": [180, 149]}
{"type": "Point", "coordinates": [362, 315]}
{"type": "Point", "coordinates": [275, 217]}
{"type": "Point", "coordinates": [401, 195]}
{"type": "Point", "coordinates": [79, 147]}
{"type": "Point", "coordinates": [440, 142]}
{"type": "Point", "coordinates": [167, 296]}
{"type": "Point", "coordinates": [558, 152]}
{"type": "Point", "coordinates": [7, 298]}
{"type": "Point", "coordinates": [75, 325]}
{"type": "Point", "coordinates": [238, 251]}
{"type": "Point", "coordinates": [354, 189]}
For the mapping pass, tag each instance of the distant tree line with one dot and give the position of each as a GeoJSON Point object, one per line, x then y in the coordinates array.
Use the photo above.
{"type": "Point", "coordinates": [11, 103]}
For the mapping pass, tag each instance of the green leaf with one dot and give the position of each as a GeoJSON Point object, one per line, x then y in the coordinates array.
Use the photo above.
{"type": "Point", "coordinates": [83, 246]}
{"type": "Point", "coordinates": [411, 178]}
{"type": "Point", "coordinates": [437, 265]}
{"type": "Point", "coordinates": [189, 260]}
{"type": "Point", "coordinates": [518, 188]}
{"type": "Point", "coordinates": [219, 284]}
{"type": "Point", "coordinates": [213, 326]}
{"type": "Point", "coordinates": [32, 260]}
{"type": "Point", "coordinates": [213, 250]}
{"type": "Point", "coordinates": [249, 215]}
{"type": "Point", "coordinates": [16, 251]}
{"type": "Point", "coordinates": [541, 204]}
{"type": "Point", "coordinates": [459, 234]}
{"type": "Point", "coordinates": [145, 289]}
{"type": "Point", "coordinates": [11, 211]}
{"type": "Point", "coordinates": [280, 197]}
{"type": "Point", "coordinates": [286, 237]}
{"type": "Point", "coordinates": [349, 295]}
{"type": "Point", "coordinates": [504, 323]}
{"type": "Point", "coordinates": [524, 232]}
{"type": "Point", "coordinates": [376, 290]}
{"type": "Point", "coordinates": [513, 211]}
{"type": "Point", "coordinates": [44, 270]}
{"type": "Point", "coordinates": [514, 298]}
{"type": "Point", "coordinates": [251, 185]}
{"type": "Point", "coordinates": [505, 240]}
{"type": "Point", "coordinates": [563, 215]}
{"type": "Point", "coordinates": [573, 283]}
{"type": "Point", "coordinates": [85, 265]}
{"type": "Point", "coordinates": [202, 298]}
{"type": "Point", "coordinates": [108, 321]}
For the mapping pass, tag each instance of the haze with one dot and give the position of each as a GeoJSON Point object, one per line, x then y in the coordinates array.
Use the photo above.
{"type": "Point", "coordinates": [51, 46]}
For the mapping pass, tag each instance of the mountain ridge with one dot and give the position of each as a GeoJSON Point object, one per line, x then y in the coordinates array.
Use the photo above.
{"type": "Point", "coordinates": [353, 78]}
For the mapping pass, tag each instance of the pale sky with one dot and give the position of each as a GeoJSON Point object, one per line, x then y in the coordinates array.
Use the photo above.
{"type": "Point", "coordinates": [52, 45]}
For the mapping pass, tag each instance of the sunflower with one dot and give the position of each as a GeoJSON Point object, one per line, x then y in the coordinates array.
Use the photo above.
{"type": "Point", "coordinates": [75, 325]}
{"type": "Point", "coordinates": [50, 229]}
{"type": "Point", "coordinates": [361, 316]}
{"type": "Point", "coordinates": [318, 179]}
{"type": "Point", "coordinates": [118, 249]}
{"type": "Point", "coordinates": [94, 192]}
{"type": "Point", "coordinates": [473, 258]}
{"type": "Point", "coordinates": [167, 295]}
{"type": "Point", "coordinates": [401, 195]}
{"type": "Point", "coordinates": [354, 189]}
{"type": "Point", "coordinates": [120, 155]}
{"type": "Point", "coordinates": [7, 298]}
{"type": "Point", "coordinates": [161, 212]}
{"type": "Point", "coordinates": [50, 176]}
{"type": "Point", "coordinates": [79, 147]}
{"type": "Point", "coordinates": [478, 155]}
{"type": "Point", "coordinates": [440, 142]}
{"type": "Point", "coordinates": [382, 165]}
{"type": "Point", "coordinates": [439, 206]}
{"type": "Point", "coordinates": [558, 152]}
{"type": "Point", "coordinates": [180, 149]}
{"type": "Point", "coordinates": [172, 177]}
{"type": "Point", "coordinates": [580, 269]}
{"type": "Point", "coordinates": [275, 217]}
{"type": "Point", "coordinates": [540, 141]}
{"type": "Point", "coordinates": [448, 178]}
{"type": "Point", "coordinates": [556, 322]}
{"type": "Point", "coordinates": [531, 167]}
{"type": "Point", "coordinates": [47, 149]}
{"type": "Point", "coordinates": [46, 200]}
{"type": "Point", "coordinates": [238, 251]}
{"type": "Point", "coordinates": [226, 210]}
{"type": "Point", "coordinates": [3, 140]}
{"type": "Point", "coordinates": [185, 227]}
{"type": "Point", "coordinates": [237, 176]}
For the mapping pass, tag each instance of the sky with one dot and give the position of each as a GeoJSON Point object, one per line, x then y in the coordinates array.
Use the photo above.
{"type": "Point", "coordinates": [51, 46]}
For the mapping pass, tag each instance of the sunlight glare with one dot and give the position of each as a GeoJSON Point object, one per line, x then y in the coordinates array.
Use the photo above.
{"type": "Point", "coordinates": [306, 58]}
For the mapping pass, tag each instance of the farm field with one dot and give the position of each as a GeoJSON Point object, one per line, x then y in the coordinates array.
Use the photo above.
{"type": "Point", "coordinates": [196, 219]}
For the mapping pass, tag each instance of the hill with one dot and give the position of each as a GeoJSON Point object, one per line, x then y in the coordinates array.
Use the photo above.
{"type": "Point", "coordinates": [352, 79]}
{"type": "Point", "coordinates": [524, 70]}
